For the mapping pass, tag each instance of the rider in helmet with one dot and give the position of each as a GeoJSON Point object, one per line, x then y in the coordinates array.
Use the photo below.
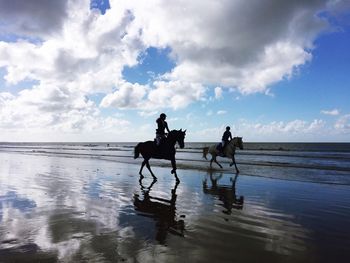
{"type": "Point", "coordinates": [162, 125]}
{"type": "Point", "coordinates": [226, 137]}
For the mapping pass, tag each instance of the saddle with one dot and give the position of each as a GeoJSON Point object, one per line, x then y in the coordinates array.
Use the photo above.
{"type": "Point", "coordinates": [220, 150]}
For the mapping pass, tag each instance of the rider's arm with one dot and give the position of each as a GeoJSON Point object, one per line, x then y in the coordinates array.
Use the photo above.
{"type": "Point", "coordinates": [166, 126]}
{"type": "Point", "coordinates": [230, 136]}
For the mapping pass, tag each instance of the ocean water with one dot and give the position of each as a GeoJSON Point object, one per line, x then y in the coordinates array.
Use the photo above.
{"type": "Point", "coordinates": [79, 202]}
{"type": "Point", "coordinates": [311, 162]}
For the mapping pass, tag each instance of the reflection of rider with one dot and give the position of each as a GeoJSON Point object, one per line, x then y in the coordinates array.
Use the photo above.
{"type": "Point", "coordinates": [225, 193]}
{"type": "Point", "coordinates": [226, 137]}
{"type": "Point", "coordinates": [162, 125]}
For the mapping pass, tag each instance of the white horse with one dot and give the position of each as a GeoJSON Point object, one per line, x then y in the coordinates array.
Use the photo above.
{"type": "Point", "coordinates": [229, 151]}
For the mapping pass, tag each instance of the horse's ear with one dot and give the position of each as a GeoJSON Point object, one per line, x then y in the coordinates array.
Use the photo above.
{"type": "Point", "coordinates": [181, 129]}
{"type": "Point", "coordinates": [185, 130]}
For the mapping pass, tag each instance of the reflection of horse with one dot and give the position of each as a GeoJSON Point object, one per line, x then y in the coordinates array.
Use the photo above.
{"type": "Point", "coordinates": [226, 194]}
{"type": "Point", "coordinates": [166, 150]}
{"type": "Point", "coordinates": [163, 211]}
{"type": "Point", "coordinates": [229, 151]}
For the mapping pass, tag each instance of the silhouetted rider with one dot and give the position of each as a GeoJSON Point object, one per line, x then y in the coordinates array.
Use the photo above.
{"type": "Point", "coordinates": [226, 137]}
{"type": "Point", "coordinates": [162, 125]}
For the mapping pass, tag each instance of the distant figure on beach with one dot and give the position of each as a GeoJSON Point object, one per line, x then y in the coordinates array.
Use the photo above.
{"type": "Point", "coordinates": [160, 131]}
{"type": "Point", "coordinates": [226, 138]}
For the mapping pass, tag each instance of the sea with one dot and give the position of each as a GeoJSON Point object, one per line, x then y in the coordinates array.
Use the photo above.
{"type": "Point", "coordinates": [311, 162]}
{"type": "Point", "coordinates": [79, 202]}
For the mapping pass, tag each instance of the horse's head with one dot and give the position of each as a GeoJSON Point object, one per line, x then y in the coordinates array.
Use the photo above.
{"type": "Point", "coordinates": [181, 138]}
{"type": "Point", "coordinates": [178, 136]}
{"type": "Point", "coordinates": [238, 142]}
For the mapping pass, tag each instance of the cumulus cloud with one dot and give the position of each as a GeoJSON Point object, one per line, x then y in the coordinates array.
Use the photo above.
{"type": "Point", "coordinates": [343, 124]}
{"type": "Point", "coordinates": [297, 130]}
{"type": "Point", "coordinates": [71, 52]}
{"type": "Point", "coordinates": [233, 43]}
{"type": "Point", "coordinates": [80, 52]}
{"type": "Point", "coordinates": [173, 94]}
{"type": "Point", "coordinates": [333, 112]}
{"type": "Point", "coordinates": [32, 17]}
{"type": "Point", "coordinates": [126, 96]}
{"type": "Point", "coordinates": [295, 126]}
{"type": "Point", "coordinates": [221, 112]}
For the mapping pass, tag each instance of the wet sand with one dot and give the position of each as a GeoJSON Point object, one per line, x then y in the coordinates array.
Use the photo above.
{"type": "Point", "coordinates": [58, 209]}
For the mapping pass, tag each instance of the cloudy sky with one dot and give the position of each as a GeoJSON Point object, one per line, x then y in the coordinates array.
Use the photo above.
{"type": "Point", "coordinates": [80, 70]}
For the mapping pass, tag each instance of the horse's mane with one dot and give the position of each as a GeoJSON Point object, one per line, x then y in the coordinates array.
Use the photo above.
{"type": "Point", "coordinates": [173, 132]}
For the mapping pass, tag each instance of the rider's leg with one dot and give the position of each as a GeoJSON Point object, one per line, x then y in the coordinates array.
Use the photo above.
{"type": "Point", "coordinates": [158, 138]}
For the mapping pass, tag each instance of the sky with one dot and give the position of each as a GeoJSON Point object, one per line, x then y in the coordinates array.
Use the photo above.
{"type": "Point", "coordinates": [103, 71]}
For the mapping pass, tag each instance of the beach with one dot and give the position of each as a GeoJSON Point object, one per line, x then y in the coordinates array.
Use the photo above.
{"type": "Point", "coordinates": [61, 204]}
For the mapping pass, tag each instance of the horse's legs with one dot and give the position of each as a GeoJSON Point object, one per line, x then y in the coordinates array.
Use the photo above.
{"type": "Point", "coordinates": [173, 171]}
{"type": "Point", "coordinates": [234, 163]}
{"type": "Point", "coordinates": [217, 162]}
{"type": "Point", "coordinates": [149, 169]}
{"type": "Point", "coordinates": [142, 165]}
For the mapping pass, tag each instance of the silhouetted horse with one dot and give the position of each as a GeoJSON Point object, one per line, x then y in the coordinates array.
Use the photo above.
{"type": "Point", "coordinates": [225, 193]}
{"type": "Point", "coordinates": [162, 210]}
{"type": "Point", "coordinates": [166, 150]}
{"type": "Point", "coordinates": [229, 151]}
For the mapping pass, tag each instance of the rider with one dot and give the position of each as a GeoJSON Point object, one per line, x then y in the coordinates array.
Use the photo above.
{"type": "Point", "coordinates": [162, 125]}
{"type": "Point", "coordinates": [226, 137]}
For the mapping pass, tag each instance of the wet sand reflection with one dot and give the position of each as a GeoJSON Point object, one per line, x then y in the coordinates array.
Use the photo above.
{"type": "Point", "coordinates": [163, 211]}
{"type": "Point", "coordinates": [75, 210]}
{"type": "Point", "coordinates": [225, 193]}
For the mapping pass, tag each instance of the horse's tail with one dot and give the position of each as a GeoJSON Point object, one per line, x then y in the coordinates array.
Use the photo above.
{"type": "Point", "coordinates": [137, 151]}
{"type": "Point", "coordinates": [205, 152]}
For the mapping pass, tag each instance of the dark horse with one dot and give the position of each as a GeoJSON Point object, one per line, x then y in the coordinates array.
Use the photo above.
{"type": "Point", "coordinates": [166, 150]}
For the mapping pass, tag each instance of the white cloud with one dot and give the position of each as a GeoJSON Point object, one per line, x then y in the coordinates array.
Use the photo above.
{"type": "Point", "coordinates": [217, 44]}
{"type": "Point", "coordinates": [296, 130]}
{"type": "Point", "coordinates": [71, 52]}
{"type": "Point", "coordinates": [126, 96]}
{"type": "Point", "coordinates": [173, 94]}
{"type": "Point", "coordinates": [218, 93]}
{"type": "Point", "coordinates": [32, 17]}
{"type": "Point", "coordinates": [147, 113]}
{"type": "Point", "coordinates": [80, 52]}
{"type": "Point", "coordinates": [343, 124]}
{"type": "Point", "coordinates": [333, 112]}
{"type": "Point", "coordinates": [221, 112]}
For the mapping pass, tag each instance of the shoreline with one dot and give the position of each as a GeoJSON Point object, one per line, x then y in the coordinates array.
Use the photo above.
{"type": "Point", "coordinates": [250, 168]}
